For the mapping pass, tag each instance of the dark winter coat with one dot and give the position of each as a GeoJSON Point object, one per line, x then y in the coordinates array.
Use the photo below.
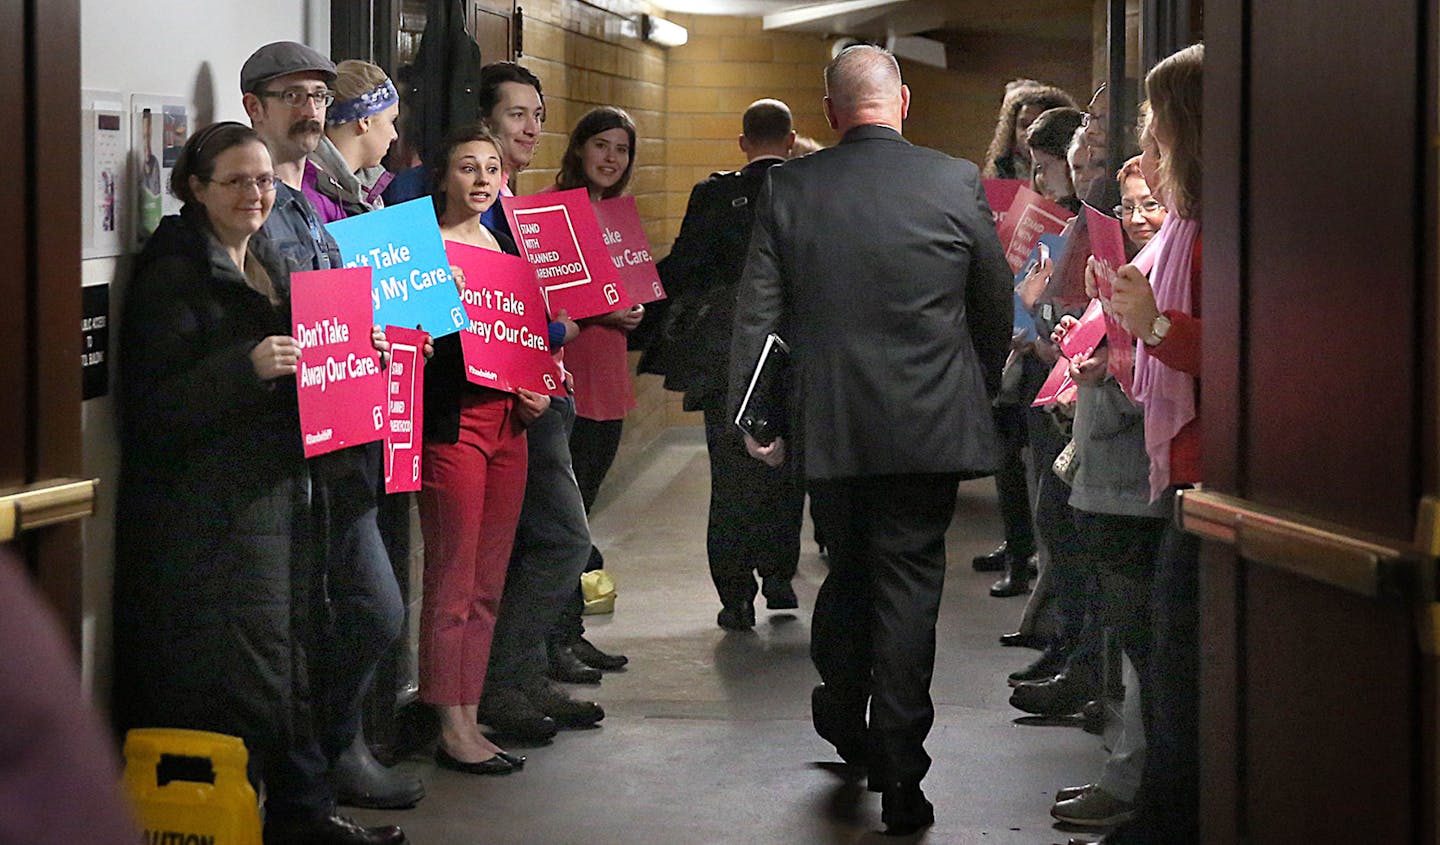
{"type": "Point", "coordinates": [212, 566]}
{"type": "Point", "coordinates": [702, 277]}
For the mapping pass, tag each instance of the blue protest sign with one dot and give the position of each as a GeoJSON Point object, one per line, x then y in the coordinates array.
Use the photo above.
{"type": "Point", "coordinates": [411, 284]}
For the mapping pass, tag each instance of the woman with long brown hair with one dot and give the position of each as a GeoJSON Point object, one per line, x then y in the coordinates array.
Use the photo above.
{"type": "Point", "coordinates": [1164, 313]}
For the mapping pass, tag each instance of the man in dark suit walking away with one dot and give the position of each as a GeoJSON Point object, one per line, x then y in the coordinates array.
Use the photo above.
{"type": "Point", "coordinates": [755, 510]}
{"type": "Point", "coordinates": [878, 263]}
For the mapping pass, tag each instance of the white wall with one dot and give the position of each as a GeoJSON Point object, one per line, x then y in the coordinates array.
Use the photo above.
{"type": "Point", "coordinates": [189, 49]}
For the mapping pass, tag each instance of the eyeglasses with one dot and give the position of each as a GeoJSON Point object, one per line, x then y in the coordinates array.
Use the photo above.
{"type": "Point", "coordinates": [1087, 116]}
{"type": "Point", "coordinates": [239, 184]}
{"type": "Point", "coordinates": [1150, 206]}
{"type": "Point", "coordinates": [296, 97]}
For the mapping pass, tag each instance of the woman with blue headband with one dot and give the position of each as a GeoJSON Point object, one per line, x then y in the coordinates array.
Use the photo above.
{"type": "Point", "coordinates": [343, 176]}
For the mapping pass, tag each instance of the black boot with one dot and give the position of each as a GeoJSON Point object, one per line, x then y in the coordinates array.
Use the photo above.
{"type": "Point", "coordinates": [1016, 581]}
{"type": "Point", "coordinates": [361, 781]}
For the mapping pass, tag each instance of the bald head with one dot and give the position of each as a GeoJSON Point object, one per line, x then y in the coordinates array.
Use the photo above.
{"type": "Point", "coordinates": [768, 130]}
{"type": "Point", "coordinates": [862, 86]}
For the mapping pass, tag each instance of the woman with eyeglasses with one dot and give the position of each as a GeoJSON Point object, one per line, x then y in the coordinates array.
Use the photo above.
{"type": "Point", "coordinates": [1117, 524]}
{"type": "Point", "coordinates": [1141, 213]}
{"type": "Point", "coordinates": [213, 574]}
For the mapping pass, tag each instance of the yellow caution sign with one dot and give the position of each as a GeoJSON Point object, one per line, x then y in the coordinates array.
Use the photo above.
{"type": "Point", "coordinates": [189, 787]}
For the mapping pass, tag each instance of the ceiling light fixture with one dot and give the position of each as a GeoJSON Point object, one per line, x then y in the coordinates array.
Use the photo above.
{"type": "Point", "coordinates": [660, 31]}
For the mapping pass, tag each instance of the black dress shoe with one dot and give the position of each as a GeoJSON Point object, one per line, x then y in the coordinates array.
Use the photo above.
{"type": "Point", "coordinates": [567, 667]}
{"type": "Point", "coordinates": [736, 617]}
{"type": "Point", "coordinates": [494, 765]}
{"type": "Point", "coordinates": [905, 810]}
{"type": "Point", "coordinates": [508, 711]}
{"type": "Point", "coordinates": [993, 561]}
{"type": "Point", "coordinates": [1049, 664]}
{"type": "Point", "coordinates": [1016, 639]}
{"type": "Point", "coordinates": [360, 781]}
{"type": "Point", "coordinates": [566, 711]}
{"type": "Point", "coordinates": [780, 595]}
{"type": "Point", "coordinates": [331, 830]}
{"type": "Point", "coordinates": [1016, 581]}
{"type": "Point", "coordinates": [840, 721]}
{"type": "Point", "coordinates": [1061, 695]}
{"type": "Point", "coordinates": [595, 658]}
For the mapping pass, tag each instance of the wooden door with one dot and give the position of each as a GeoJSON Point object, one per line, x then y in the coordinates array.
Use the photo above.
{"type": "Point", "coordinates": [1318, 403]}
{"type": "Point", "coordinates": [40, 296]}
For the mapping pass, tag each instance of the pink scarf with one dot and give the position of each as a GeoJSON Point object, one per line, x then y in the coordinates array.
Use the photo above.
{"type": "Point", "coordinates": [1168, 395]}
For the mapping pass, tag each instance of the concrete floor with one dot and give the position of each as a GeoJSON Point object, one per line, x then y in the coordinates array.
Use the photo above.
{"type": "Point", "coordinates": [707, 737]}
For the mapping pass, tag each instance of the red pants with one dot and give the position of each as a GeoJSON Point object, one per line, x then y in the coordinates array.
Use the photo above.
{"type": "Point", "coordinates": [469, 505]}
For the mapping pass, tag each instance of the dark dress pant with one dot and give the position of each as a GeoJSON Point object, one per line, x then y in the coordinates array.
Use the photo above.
{"type": "Point", "coordinates": [1011, 487]}
{"type": "Point", "coordinates": [756, 513]}
{"type": "Point", "coordinates": [873, 632]}
{"type": "Point", "coordinates": [1170, 787]}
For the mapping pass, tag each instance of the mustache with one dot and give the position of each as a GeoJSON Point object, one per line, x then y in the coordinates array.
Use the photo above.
{"type": "Point", "coordinates": [305, 127]}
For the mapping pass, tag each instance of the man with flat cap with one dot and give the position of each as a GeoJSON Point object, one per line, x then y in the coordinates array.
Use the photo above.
{"type": "Point", "coordinates": [878, 263]}
{"type": "Point", "coordinates": [286, 91]}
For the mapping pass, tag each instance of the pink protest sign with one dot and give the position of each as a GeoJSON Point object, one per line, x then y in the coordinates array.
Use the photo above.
{"type": "Point", "coordinates": [507, 345]}
{"type": "Point", "coordinates": [1107, 245]}
{"type": "Point", "coordinates": [629, 249]}
{"type": "Point", "coordinates": [404, 409]}
{"type": "Point", "coordinates": [1056, 384]}
{"type": "Point", "coordinates": [1082, 339]}
{"type": "Point", "coordinates": [558, 233]}
{"type": "Point", "coordinates": [999, 193]}
{"type": "Point", "coordinates": [1029, 216]}
{"type": "Point", "coordinates": [340, 381]}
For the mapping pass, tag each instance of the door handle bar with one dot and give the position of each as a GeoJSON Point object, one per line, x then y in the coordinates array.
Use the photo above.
{"type": "Point", "coordinates": [1359, 562]}
{"type": "Point", "coordinates": [46, 503]}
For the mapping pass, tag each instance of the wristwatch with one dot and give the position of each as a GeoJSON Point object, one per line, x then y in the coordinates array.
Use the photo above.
{"type": "Point", "coordinates": [1158, 329]}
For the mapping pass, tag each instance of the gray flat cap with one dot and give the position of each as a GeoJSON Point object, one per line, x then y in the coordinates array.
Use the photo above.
{"type": "Point", "coordinates": [281, 58]}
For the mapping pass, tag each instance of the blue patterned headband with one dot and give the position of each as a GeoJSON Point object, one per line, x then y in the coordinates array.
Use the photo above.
{"type": "Point", "coordinates": [371, 102]}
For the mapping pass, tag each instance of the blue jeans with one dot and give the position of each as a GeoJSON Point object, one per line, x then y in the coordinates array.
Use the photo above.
{"type": "Point", "coordinates": [353, 623]}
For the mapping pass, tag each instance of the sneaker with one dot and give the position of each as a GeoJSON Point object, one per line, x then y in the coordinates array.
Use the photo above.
{"type": "Point", "coordinates": [558, 705]}
{"type": "Point", "coordinates": [508, 711]}
{"type": "Point", "coordinates": [1093, 808]}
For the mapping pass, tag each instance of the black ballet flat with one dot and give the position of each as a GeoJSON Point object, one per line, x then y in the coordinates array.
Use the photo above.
{"type": "Point", "coordinates": [496, 765]}
{"type": "Point", "coordinates": [516, 761]}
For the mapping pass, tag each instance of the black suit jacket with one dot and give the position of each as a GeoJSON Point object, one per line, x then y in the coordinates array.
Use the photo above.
{"type": "Point", "coordinates": [702, 275]}
{"type": "Point", "coordinates": [878, 263]}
